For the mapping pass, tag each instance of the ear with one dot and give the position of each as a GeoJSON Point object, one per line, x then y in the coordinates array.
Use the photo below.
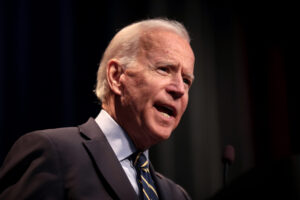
{"type": "Point", "coordinates": [113, 72]}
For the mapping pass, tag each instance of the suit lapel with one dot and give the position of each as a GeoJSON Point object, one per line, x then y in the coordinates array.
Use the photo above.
{"type": "Point", "coordinates": [106, 161]}
{"type": "Point", "coordinates": [161, 188]}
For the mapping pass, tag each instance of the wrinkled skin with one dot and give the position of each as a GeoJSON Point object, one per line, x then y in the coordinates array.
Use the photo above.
{"type": "Point", "coordinates": [153, 92]}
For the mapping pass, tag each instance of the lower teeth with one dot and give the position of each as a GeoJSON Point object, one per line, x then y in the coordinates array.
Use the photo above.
{"type": "Point", "coordinates": [166, 115]}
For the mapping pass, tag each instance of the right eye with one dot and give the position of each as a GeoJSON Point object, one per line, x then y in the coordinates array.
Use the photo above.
{"type": "Point", "coordinates": [163, 70]}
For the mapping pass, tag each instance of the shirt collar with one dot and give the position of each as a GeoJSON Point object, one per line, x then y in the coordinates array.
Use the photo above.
{"type": "Point", "coordinates": [118, 139]}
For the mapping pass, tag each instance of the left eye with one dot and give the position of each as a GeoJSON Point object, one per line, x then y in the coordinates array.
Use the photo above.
{"type": "Point", "coordinates": [187, 81]}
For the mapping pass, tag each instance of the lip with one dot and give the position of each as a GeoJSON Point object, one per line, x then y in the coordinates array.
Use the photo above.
{"type": "Point", "coordinates": [170, 109]}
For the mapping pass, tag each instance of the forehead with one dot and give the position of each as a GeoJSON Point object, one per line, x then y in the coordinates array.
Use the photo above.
{"type": "Point", "coordinates": [167, 46]}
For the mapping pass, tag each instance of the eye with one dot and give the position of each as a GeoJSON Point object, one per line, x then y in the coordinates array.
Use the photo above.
{"type": "Point", "coordinates": [187, 81]}
{"type": "Point", "coordinates": [163, 69]}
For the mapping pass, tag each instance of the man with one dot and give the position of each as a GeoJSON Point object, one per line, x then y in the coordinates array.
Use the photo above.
{"type": "Point", "coordinates": [143, 82]}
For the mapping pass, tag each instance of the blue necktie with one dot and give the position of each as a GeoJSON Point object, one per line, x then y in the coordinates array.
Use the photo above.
{"type": "Point", "coordinates": [146, 183]}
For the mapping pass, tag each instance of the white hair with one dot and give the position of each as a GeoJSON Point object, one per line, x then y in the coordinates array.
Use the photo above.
{"type": "Point", "coordinates": [125, 45]}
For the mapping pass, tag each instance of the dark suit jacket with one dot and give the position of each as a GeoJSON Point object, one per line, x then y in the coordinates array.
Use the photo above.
{"type": "Point", "coordinates": [71, 163]}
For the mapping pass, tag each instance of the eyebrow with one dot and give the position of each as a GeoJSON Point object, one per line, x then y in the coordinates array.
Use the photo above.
{"type": "Point", "coordinates": [191, 76]}
{"type": "Point", "coordinates": [170, 63]}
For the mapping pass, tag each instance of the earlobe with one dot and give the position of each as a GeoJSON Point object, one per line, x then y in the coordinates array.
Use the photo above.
{"type": "Point", "coordinates": [113, 73]}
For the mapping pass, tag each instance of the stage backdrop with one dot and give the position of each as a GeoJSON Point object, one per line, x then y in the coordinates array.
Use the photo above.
{"type": "Point", "coordinates": [244, 93]}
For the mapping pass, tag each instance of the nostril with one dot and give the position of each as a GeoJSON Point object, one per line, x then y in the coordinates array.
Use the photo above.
{"type": "Point", "coordinates": [177, 95]}
{"type": "Point", "coordinates": [175, 92]}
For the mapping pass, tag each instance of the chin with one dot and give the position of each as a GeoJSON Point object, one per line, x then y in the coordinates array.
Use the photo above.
{"type": "Point", "coordinates": [162, 134]}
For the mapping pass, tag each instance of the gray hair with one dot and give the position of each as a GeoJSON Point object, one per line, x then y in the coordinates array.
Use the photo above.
{"type": "Point", "coordinates": [125, 45]}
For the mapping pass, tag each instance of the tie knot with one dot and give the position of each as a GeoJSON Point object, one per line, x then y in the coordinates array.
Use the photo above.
{"type": "Point", "coordinates": [141, 160]}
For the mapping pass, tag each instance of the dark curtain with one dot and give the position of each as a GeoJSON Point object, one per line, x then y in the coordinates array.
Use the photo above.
{"type": "Point", "coordinates": [245, 92]}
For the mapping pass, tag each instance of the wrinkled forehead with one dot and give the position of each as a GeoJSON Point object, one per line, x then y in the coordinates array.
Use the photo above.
{"type": "Point", "coordinates": [166, 45]}
{"type": "Point", "coordinates": [158, 39]}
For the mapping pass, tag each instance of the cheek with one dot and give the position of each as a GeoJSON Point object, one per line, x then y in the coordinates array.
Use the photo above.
{"type": "Point", "coordinates": [136, 94]}
{"type": "Point", "coordinates": [184, 103]}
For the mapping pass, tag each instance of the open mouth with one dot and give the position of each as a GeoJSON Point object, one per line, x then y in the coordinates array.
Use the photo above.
{"type": "Point", "coordinates": [168, 111]}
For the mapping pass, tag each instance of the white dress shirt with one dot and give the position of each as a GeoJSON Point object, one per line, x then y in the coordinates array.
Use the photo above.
{"type": "Point", "coordinates": [121, 144]}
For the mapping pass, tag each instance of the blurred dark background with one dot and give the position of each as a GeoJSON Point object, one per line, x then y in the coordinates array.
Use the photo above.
{"type": "Point", "coordinates": [245, 92]}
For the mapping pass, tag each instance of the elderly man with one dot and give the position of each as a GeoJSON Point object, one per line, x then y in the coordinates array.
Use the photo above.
{"type": "Point", "coordinates": [143, 82]}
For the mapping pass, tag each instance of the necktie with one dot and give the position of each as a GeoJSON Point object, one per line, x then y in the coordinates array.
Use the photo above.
{"type": "Point", "coordinates": [146, 183]}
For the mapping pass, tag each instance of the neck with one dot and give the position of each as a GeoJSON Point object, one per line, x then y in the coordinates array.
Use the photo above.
{"type": "Point", "coordinates": [113, 107]}
{"type": "Point", "coordinates": [109, 106]}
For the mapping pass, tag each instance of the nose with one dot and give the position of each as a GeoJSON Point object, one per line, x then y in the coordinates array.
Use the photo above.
{"type": "Point", "coordinates": [177, 88]}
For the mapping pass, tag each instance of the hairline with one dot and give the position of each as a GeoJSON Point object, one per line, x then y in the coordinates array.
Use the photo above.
{"type": "Point", "coordinates": [131, 36]}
